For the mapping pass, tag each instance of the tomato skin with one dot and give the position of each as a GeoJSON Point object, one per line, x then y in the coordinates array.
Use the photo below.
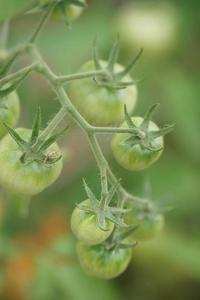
{"type": "Point", "coordinates": [99, 262]}
{"type": "Point", "coordinates": [73, 11]}
{"type": "Point", "coordinates": [85, 228]}
{"type": "Point", "coordinates": [150, 226]}
{"type": "Point", "coordinates": [10, 114]}
{"type": "Point", "coordinates": [28, 179]}
{"type": "Point", "coordinates": [131, 157]}
{"type": "Point", "coordinates": [101, 105]}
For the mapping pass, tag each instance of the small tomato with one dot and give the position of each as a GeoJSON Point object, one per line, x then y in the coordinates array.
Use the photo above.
{"type": "Point", "coordinates": [85, 227]}
{"type": "Point", "coordinates": [133, 157]}
{"type": "Point", "coordinates": [29, 179]}
{"type": "Point", "coordinates": [101, 105]}
{"type": "Point", "coordinates": [9, 112]}
{"type": "Point", "coordinates": [97, 261]}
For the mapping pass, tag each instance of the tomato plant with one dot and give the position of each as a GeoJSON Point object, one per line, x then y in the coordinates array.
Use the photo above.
{"type": "Point", "coordinates": [9, 111]}
{"type": "Point", "coordinates": [103, 93]}
{"type": "Point", "coordinates": [29, 179]}
{"type": "Point", "coordinates": [85, 227]}
{"type": "Point", "coordinates": [97, 261]}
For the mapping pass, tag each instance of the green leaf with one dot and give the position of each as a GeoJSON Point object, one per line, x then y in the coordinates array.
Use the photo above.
{"type": "Point", "coordinates": [90, 194]}
{"type": "Point", "coordinates": [53, 139]}
{"type": "Point", "coordinates": [14, 86]}
{"type": "Point", "coordinates": [36, 127]}
{"type": "Point", "coordinates": [7, 66]}
{"type": "Point", "coordinates": [23, 144]}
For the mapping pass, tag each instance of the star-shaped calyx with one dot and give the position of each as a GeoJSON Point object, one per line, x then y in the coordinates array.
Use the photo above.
{"type": "Point", "coordinates": [102, 209]}
{"type": "Point", "coordinates": [144, 136]}
{"type": "Point", "coordinates": [114, 80]}
{"type": "Point", "coordinates": [151, 209]}
{"type": "Point", "coordinates": [34, 149]}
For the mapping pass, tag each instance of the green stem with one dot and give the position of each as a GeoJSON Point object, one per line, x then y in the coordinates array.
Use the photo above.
{"type": "Point", "coordinates": [18, 74]}
{"type": "Point", "coordinates": [63, 79]}
{"type": "Point", "coordinates": [42, 22]}
{"type": "Point", "coordinates": [114, 130]}
{"type": "Point", "coordinates": [102, 163]}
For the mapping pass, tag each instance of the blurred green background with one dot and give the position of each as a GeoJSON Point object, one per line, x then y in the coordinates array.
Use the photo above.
{"type": "Point", "coordinates": [37, 253]}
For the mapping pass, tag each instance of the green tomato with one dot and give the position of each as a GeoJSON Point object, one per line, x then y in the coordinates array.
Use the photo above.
{"type": "Point", "coordinates": [99, 262]}
{"type": "Point", "coordinates": [133, 157]}
{"type": "Point", "coordinates": [150, 225]}
{"type": "Point", "coordinates": [85, 227]}
{"type": "Point", "coordinates": [28, 179]}
{"type": "Point", "coordinates": [101, 105]}
{"type": "Point", "coordinates": [153, 27]}
{"type": "Point", "coordinates": [73, 11]}
{"type": "Point", "coordinates": [10, 113]}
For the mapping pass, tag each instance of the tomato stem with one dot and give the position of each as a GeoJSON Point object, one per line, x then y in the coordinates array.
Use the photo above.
{"type": "Point", "coordinates": [63, 79]}
{"type": "Point", "coordinates": [42, 22]}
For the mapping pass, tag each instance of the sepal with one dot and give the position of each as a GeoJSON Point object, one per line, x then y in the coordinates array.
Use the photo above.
{"type": "Point", "coordinates": [144, 137]}
{"type": "Point", "coordinates": [114, 81]}
{"type": "Point", "coordinates": [4, 71]}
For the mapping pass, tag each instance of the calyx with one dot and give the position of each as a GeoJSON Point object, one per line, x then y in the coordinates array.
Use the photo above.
{"type": "Point", "coordinates": [114, 80]}
{"type": "Point", "coordinates": [33, 150]}
{"type": "Point", "coordinates": [144, 138]}
{"type": "Point", "coordinates": [102, 209]}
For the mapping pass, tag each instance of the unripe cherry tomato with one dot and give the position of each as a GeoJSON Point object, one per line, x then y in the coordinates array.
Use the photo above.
{"type": "Point", "coordinates": [85, 227]}
{"type": "Point", "coordinates": [10, 113]}
{"type": "Point", "coordinates": [133, 157]}
{"type": "Point", "coordinates": [149, 225]}
{"type": "Point", "coordinates": [97, 261]}
{"type": "Point", "coordinates": [101, 105]}
{"type": "Point", "coordinates": [29, 179]}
